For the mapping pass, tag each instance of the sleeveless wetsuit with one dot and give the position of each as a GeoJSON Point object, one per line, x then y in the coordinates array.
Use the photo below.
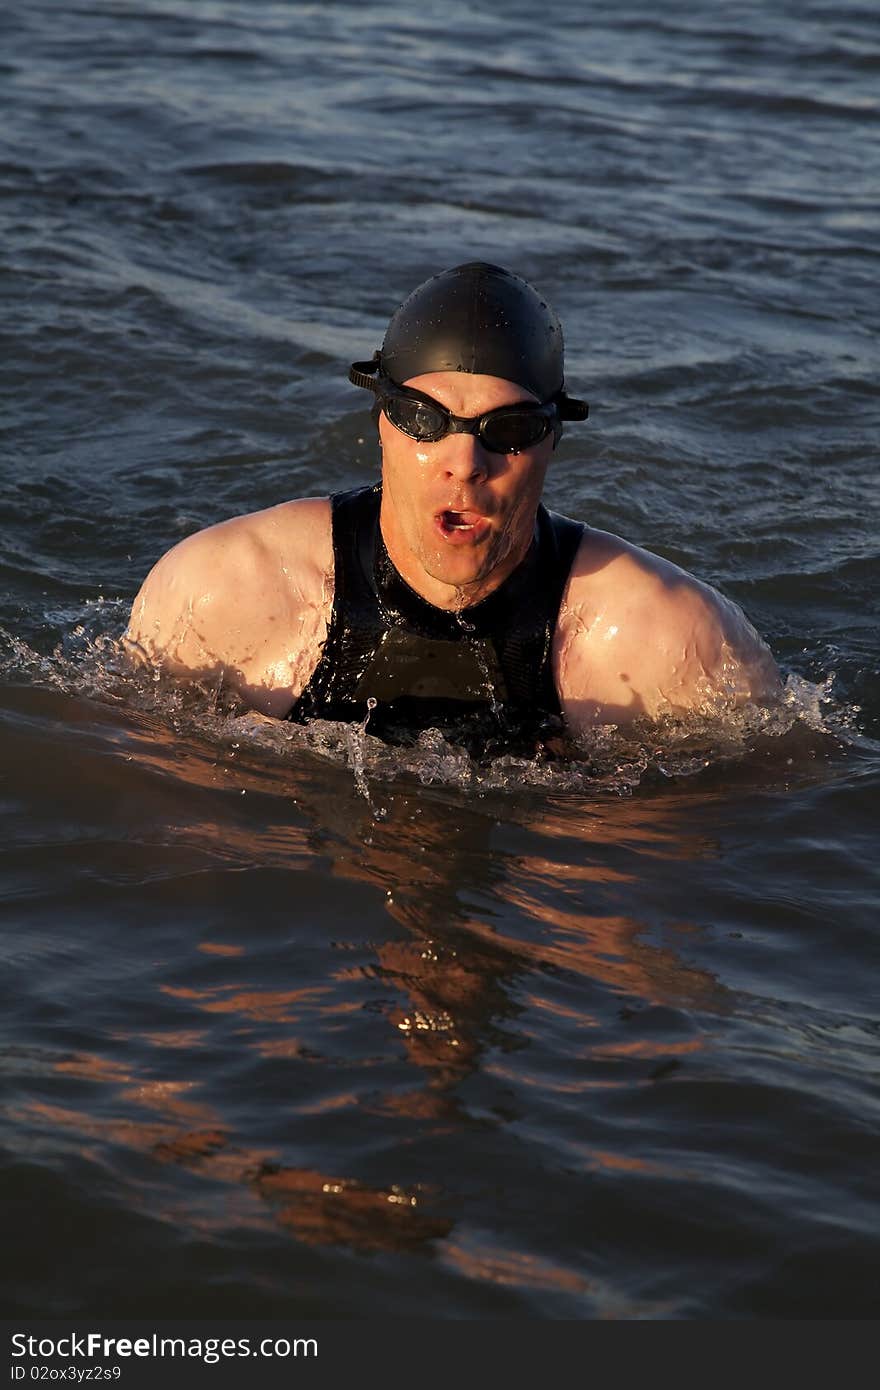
{"type": "Point", "coordinates": [482, 675]}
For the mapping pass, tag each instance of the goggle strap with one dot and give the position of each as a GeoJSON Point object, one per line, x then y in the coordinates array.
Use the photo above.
{"type": "Point", "coordinates": [569, 407]}
{"type": "Point", "coordinates": [362, 373]}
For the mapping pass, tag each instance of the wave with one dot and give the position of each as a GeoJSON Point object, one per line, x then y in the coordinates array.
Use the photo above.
{"type": "Point", "coordinates": [808, 728]}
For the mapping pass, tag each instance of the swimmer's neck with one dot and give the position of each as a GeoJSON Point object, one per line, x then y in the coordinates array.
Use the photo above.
{"type": "Point", "coordinates": [450, 597]}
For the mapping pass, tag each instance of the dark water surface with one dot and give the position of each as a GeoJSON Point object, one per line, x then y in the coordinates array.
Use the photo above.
{"type": "Point", "coordinates": [294, 1024]}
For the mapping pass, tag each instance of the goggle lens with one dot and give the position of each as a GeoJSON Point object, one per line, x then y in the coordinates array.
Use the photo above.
{"type": "Point", "coordinates": [416, 418]}
{"type": "Point", "coordinates": [503, 434]}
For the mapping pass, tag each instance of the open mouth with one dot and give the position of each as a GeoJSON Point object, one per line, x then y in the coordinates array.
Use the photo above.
{"type": "Point", "coordinates": [461, 525]}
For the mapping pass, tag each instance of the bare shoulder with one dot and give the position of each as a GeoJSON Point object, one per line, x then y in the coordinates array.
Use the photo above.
{"type": "Point", "coordinates": [247, 599]}
{"type": "Point", "coordinates": [255, 537]}
{"type": "Point", "coordinates": [638, 636]}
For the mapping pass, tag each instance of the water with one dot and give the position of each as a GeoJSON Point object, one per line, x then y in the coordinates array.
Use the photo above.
{"type": "Point", "coordinates": [298, 1024]}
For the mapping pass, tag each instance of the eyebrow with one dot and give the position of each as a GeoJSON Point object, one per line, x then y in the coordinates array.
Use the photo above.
{"type": "Point", "coordinates": [506, 405]}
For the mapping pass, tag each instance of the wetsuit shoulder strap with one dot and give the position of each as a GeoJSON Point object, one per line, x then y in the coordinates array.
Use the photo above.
{"type": "Point", "coordinates": [354, 627]}
{"type": "Point", "coordinates": [533, 599]}
{"type": "Point", "coordinates": [560, 538]}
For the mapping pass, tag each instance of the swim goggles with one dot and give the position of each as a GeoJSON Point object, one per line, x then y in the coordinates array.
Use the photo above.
{"type": "Point", "coordinates": [507, 430]}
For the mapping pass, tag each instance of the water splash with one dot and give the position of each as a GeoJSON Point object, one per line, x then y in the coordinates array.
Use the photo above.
{"type": "Point", "coordinates": [809, 721]}
{"type": "Point", "coordinates": [469, 631]}
{"type": "Point", "coordinates": [355, 740]}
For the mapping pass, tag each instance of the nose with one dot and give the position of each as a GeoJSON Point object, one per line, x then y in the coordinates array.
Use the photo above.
{"type": "Point", "coordinates": [464, 458]}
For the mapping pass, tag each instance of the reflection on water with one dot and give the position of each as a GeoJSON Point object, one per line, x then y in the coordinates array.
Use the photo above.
{"type": "Point", "coordinates": [278, 1014]}
{"type": "Point", "coordinates": [483, 915]}
{"type": "Point", "coordinates": [317, 1208]}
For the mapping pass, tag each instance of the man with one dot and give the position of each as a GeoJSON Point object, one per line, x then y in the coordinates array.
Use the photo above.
{"type": "Point", "coordinates": [448, 596]}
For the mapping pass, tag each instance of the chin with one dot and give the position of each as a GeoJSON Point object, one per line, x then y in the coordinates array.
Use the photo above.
{"type": "Point", "coordinates": [460, 574]}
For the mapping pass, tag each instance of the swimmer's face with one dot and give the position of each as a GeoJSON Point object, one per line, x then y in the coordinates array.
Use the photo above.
{"type": "Point", "coordinates": [457, 519]}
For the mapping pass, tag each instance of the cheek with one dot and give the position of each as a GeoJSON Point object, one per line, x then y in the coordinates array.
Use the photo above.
{"type": "Point", "coordinates": [405, 485]}
{"type": "Point", "coordinates": [405, 464]}
{"type": "Point", "coordinates": [525, 485]}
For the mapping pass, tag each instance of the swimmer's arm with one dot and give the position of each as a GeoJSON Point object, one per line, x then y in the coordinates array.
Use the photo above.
{"type": "Point", "coordinates": [184, 620]}
{"type": "Point", "coordinates": [652, 641]}
{"type": "Point", "coordinates": [241, 603]}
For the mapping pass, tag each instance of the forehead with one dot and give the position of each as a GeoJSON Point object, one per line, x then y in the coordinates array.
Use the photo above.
{"type": "Point", "coordinates": [467, 393]}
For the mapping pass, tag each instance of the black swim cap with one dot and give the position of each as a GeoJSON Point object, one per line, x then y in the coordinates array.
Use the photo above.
{"type": "Point", "coordinates": [476, 318]}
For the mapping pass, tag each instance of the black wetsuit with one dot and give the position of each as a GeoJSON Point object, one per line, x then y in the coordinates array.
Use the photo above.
{"type": "Point", "coordinates": [482, 676]}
